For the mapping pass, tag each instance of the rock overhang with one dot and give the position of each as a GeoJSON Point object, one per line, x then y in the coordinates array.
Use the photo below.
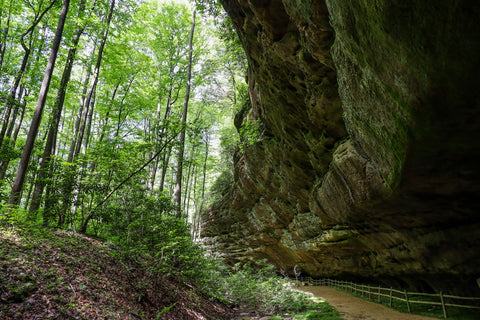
{"type": "Point", "coordinates": [369, 165]}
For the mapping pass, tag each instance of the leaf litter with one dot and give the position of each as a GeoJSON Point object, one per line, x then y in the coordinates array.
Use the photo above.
{"type": "Point", "coordinates": [57, 274]}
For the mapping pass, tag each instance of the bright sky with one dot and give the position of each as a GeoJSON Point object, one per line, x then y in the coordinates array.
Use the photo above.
{"type": "Point", "coordinates": [177, 1]}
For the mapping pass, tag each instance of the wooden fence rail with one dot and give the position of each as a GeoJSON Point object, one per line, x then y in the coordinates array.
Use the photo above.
{"type": "Point", "coordinates": [377, 292]}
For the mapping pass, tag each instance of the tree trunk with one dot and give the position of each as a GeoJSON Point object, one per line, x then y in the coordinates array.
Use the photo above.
{"type": "Point", "coordinates": [166, 156]}
{"type": "Point", "coordinates": [13, 90]}
{"type": "Point", "coordinates": [16, 102]}
{"type": "Point", "coordinates": [96, 74]}
{"type": "Point", "coordinates": [11, 99]}
{"type": "Point", "coordinates": [81, 106]}
{"type": "Point", "coordinates": [86, 106]}
{"type": "Point", "coordinates": [179, 175]}
{"type": "Point", "coordinates": [3, 41]}
{"type": "Point", "coordinates": [188, 179]}
{"type": "Point", "coordinates": [155, 128]}
{"type": "Point", "coordinates": [198, 211]}
{"type": "Point", "coordinates": [107, 115]}
{"type": "Point", "coordinates": [42, 96]}
{"type": "Point", "coordinates": [165, 161]}
{"type": "Point", "coordinates": [20, 121]}
{"type": "Point", "coordinates": [191, 181]}
{"type": "Point", "coordinates": [56, 116]}
{"type": "Point", "coordinates": [6, 160]}
{"type": "Point", "coordinates": [89, 123]}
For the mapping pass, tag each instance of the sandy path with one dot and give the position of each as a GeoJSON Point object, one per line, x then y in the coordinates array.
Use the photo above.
{"type": "Point", "coordinates": [353, 308]}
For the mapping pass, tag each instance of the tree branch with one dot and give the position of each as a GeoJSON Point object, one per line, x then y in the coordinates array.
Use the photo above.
{"type": "Point", "coordinates": [133, 173]}
{"type": "Point", "coordinates": [29, 30]}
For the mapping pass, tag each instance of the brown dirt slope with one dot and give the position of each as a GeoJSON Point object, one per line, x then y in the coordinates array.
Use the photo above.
{"type": "Point", "coordinates": [54, 274]}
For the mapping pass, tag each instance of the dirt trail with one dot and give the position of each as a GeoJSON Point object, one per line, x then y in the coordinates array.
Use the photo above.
{"type": "Point", "coordinates": [353, 308]}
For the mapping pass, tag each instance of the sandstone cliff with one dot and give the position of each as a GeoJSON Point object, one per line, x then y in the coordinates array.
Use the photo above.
{"type": "Point", "coordinates": [368, 163]}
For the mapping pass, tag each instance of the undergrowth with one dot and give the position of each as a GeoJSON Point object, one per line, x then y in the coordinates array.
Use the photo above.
{"type": "Point", "coordinates": [54, 273]}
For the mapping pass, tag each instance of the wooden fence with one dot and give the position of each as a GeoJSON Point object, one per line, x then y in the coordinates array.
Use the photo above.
{"type": "Point", "coordinates": [409, 298]}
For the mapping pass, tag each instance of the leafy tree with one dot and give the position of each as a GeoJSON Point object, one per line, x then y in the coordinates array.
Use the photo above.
{"type": "Point", "coordinates": [179, 175]}
{"type": "Point", "coordinates": [56, 113]}
{"type": "Point", "coordinates": [32, 134]}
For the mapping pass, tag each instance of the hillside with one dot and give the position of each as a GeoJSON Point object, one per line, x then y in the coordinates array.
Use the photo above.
{"type": "Point", "coordinates": [56, 274]}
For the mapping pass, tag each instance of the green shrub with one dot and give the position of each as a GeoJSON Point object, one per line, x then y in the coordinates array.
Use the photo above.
{"type": "Point", "coordinates": [162, 245]}
{"type": "Point", "coordinates": [254, 287]}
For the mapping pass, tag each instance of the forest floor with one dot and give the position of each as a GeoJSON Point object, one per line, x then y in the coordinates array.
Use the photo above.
{"type": "Point", "coordinates": [353, 308]}
{"type": "Point", "coordinates": [56, 274]}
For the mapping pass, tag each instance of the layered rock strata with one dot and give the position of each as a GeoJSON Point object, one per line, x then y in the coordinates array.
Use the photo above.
{"type": "Point", "coordinates": [367, 166]}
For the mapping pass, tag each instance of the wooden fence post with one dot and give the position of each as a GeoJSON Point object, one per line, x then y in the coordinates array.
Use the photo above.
{"type": "Point", "coordinates": [391, 300]}
{"type": "Point", "coordinates": [408, 302]}
{"type": "Point", "coordinates": [444, 308]}
{"type": "Point", "coordinates": [379, 296]}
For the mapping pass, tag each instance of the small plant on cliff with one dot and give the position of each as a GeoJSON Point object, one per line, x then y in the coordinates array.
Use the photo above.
{"type": "Point", "coordinates": [249, 133]}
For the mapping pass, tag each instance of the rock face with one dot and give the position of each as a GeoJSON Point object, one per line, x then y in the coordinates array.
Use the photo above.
{"type": "Point", "coordinates": [367, 166]}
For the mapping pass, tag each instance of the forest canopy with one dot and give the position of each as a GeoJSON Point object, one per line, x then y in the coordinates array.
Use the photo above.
{"type": "Point", "coordinates": [115, 114]}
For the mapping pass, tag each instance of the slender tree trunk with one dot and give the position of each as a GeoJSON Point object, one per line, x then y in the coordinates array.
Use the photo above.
{"type": "Point", "coordinates": [163, 131]}
{"type": "Point", "coordinates": [72, 170]}
{"type": "Point", "coordinates": [155, 128]}
{"type": "Point", "coordinates": [107, 115]}
{"type": "Point", "coordinates": [119, 123]}
{"type": "Point", "coordinates": [179, 175]}
{"type": "Point", "coordinates": [88, 104]}
{"type": "Point", "coordinates": [165, 161]}
{"type": "Point", "coordinates": [86, 108]}
{"type": "Point", "coordinates": [89, 123]}
{"type": "Point", "coordinates": [11, 99]}
{"type": "Point", "coordinates": [188, 179]}
{"type": "Point", "coordinates": [198, 211]}
{"type": "Point", "coordinates": [22, 93]}
{"type": "Point", "coordinates": [3, 170]}
{"type": "Point", "coordinates": [6, 30]}
{"type": "Point", "coordinates": [153, 173]}
{"type": "Point", "coordinates": [32, 134]}
{"type": "Point", "coordinates": [96, 74]}
{"type": "Point", "coordinates": [81, 106]}
{"type": "Point", "coordinates": [194, 199]}
{"type": "Point", "coordinates": [30, 188]}
{"type": "Point", "coordinates": [15, 112]}
{"type": "Point", "coordinates": [20, 121]}
{"type": "Point", "coordinates": [191, 181]}
{"type": "Point", "coordinates": [6, 160]}
{"type": "Point", "coordinates": [56, 116]}
{"type": "Point", "coordinates": [13, 90]}
{"type": "Point", "coordinates": [122, 106]}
